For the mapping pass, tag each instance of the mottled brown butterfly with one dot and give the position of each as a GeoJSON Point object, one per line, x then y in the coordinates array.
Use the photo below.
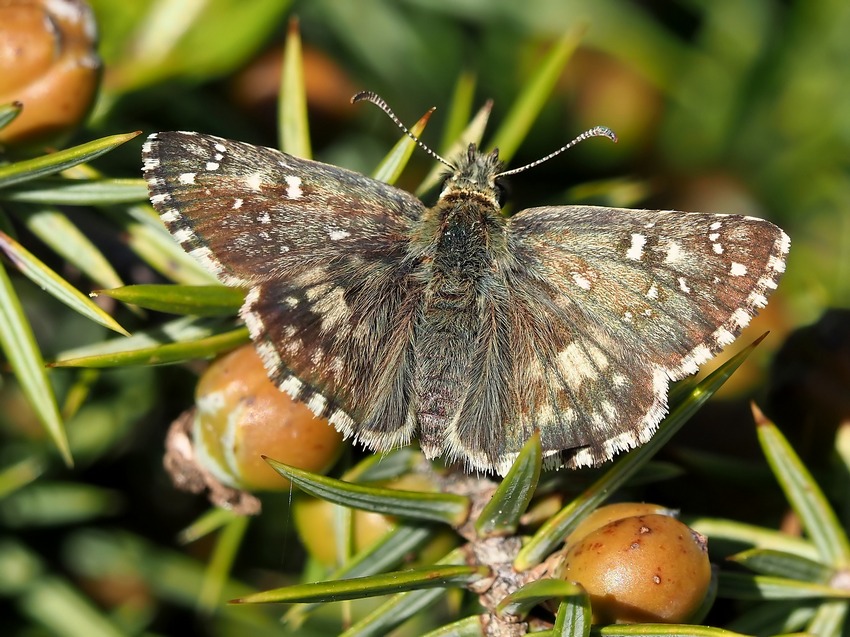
{"type": "Point", "coordinates": [454, 324]}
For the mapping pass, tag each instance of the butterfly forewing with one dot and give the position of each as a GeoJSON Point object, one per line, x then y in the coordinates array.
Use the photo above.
{"type": "Point", "coordinates": [319, 247]}
{"type": "Point", "coordinates": [252, 213]}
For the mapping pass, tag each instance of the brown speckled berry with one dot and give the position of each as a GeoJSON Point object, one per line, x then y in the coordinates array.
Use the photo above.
{"type": "Point", "coordinates": [646, 568]}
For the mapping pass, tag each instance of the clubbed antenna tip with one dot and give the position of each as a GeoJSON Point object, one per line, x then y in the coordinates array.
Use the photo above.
{"type": "Point", "coordinates": [596, 131]}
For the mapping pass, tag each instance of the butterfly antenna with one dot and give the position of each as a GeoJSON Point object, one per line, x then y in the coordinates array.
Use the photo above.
{"type": "Point", "coordinates": [378, 101]}
{"type": "Point", "coordinates": [596, 131]}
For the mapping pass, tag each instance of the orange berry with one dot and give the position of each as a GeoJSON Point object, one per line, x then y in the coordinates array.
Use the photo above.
{"type": "Point", "coordinates": [241, 416]}
{"type": "Point", "coordinates": [647, 568]}
{"type": "Point", "coordinates": [49, 64]}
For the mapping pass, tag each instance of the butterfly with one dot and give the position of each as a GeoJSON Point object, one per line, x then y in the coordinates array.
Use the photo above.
{"type": "Point", "coordinates": [454, 324]}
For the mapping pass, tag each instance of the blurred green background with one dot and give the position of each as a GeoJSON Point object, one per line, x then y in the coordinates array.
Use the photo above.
{"type": "Point", "coordinates": [720, 106]}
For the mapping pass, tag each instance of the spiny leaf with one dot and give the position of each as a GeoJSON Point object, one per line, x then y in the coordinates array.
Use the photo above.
{"type": "Point", "coordinates": [393, 164]}
{"type": "Point", "coordinates": [502, 513]}
{"type": "Point", "coordinates": [524, 599]}
{"type": "Point", "coordinates": [162, 354]}
{"type": "Point", "coordinates": [573, 618]}
{"type": "Point", "coordinates": [746, 586]}
{"type": "Point", "coordinates": [401, 607]}
{"type": "Point", "coordinates": [78, 192]}
{"type": "Point", "coordinates": [210, 521]}
{"type": "Point", "coordinates": [752, 535]}
{"type": "Point", "coordinates": [373, 586]}
{"type": "Point", "coordinates": [294, 130]}
{"type": "Point", "coordinates": [387, 552]}
{"type": "Point", "coordinates": [9, 112]}
{"type": "Point", "coordinates": [178, 340]}
{"type": "Point", "coordinates": [665, 630]}
{"type": "Point", "coordinates": [45, 278]}
{"type": "Point", "coordinates": [829, 618]}
{"type": "Point", "coordinates": [56, 162]}
{"type": "Point", "coordinates": [804, 494]}
{"type": "Point", "coordinates": [433, 507]}
{"type": "Point", "coordinates": [780, 564]}
{"type": "Point", "coordinates": [20, 474]}
{"type": "Point", "coordinates": [56, 230]}
{"type": "Point", "coordinates": [18, 342]}
{"type": "Point", "coordinates": [221, 561]}
{"type": "Point", "coordinates": [197, 300]}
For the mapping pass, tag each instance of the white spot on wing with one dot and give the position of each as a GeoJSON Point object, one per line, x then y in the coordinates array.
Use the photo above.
{"type": "Point", "coordinates": [187, 179]}
{"type": "Point", "coordinates": [577, 365]}
{"type": "Point", "coordinates": [264, 217]}
{"type": "Point", "coordinates": [336, 234]}
{"type": "Point", "coordinates": [722, 336]}
{"type": "Point", "coordinates": [756, 299]}
{"type": "Point", "coordinates": [581, 281]}
{"type": "Point", "coordinates": [317, 404]}
{"type": "Point", "coordinates": [784, 243]}
{"type": "Point", "coordinates": [652, 293]}
{"type": "Point", "coordinates": [683, 285]}
{"type": "Point", "coordinates": [237, 203]}
{"type": "Point", "coordinates": [718, 249]}
{"type": "Point", "coordinates": [183, 235]}
{"type": "Point", "coordinates": [635, 251]}
{"type": "Point", "coordinates": [254, 181]}
{"type": "Point", "coordinates": [268, 353]}
{"type": "Point", "coordinates": [170, 216]}
{"type": "Point", "coordinates": [738, 269]}
{"type": "Point", "coordinates": [293, 187]}
{"type": "Point", "coordinates": [690, 364]}
{"type": "Point", "coordinates": [740, 318]}
{"type": "Point", "coordinates": [292, 386]}
{"type": "Point", "coordinates": [212, 165]}
{"type": "Point", "coordinates": [674, 253]}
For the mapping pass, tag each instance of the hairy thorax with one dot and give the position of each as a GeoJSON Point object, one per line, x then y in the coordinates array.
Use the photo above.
{"type": "Point", "coordinates": [464, 237]}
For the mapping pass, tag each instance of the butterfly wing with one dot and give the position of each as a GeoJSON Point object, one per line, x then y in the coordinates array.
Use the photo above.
{"type": "Point", "coordinates": [320, 250]}
{"type": "Point", "coordinates": [253, 214]}
{"type": "Point", "coordinates": [608, 305]}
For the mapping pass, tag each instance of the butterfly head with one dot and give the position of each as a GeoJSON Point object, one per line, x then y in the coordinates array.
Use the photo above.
{"type": "Point", "coordinates": [476, 172]}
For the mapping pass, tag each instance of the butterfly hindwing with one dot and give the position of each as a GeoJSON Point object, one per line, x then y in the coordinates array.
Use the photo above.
{"type": "Point", "coordinates": [337, 338]}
